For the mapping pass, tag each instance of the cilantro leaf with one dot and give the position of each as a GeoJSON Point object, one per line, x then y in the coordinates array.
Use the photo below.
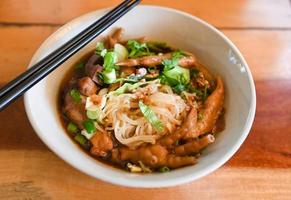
{"type": "Point", "coordinates": [137, 49]}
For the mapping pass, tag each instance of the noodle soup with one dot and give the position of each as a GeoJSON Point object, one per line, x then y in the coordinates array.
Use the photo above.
{"type": "Point", "coordinates": [142, 105]}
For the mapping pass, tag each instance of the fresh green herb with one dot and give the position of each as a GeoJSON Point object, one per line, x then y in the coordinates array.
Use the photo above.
{"type": "Point", "coordinates": [179, 88]}
{"type": "Point", "coordinates": [79, 65]}
{"type": "Point", "coordinates": [177, 75]}
{"type": "Point", "coordinates": [137, 49]}
{"type": "Point", "coordinates": [170, 64]}
{"type": "Point", "coordinates": [149, 114]}
{"type": "Point", "coordinates": [80, 138]}
{"type": "Point", "coordinates": [89, 126]}
{"type": "Point", "coordinates": [93, 114]}
{"type": "Point", "coordinates": [173, 73]}
{"type": "Point", "coordinates": [100, 49]}
{"type": "Point", "coordinates": [109, 73]}
{"type": "Point", "coordinates": [72, 128]}
{"type": "Point", "coordinates": [75, 94]}
{"type": "Point", "coordinates": [109, 76]}
{"type": "Point", "coordinates": [176, 143]}
{"type": "Point", "coordinates": [164, 169]}
{"type": "Point", "coordinates": [110, 59]}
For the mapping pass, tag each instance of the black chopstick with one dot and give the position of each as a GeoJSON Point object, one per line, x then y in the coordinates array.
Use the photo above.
{"type": "Point", "coordinates": [51, 63]}
{"type": "Point", "coordinates": [52, 55]}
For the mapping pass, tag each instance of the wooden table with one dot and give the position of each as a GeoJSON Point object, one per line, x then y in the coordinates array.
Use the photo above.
{"type": "Point", "coordinates": [261, 169]}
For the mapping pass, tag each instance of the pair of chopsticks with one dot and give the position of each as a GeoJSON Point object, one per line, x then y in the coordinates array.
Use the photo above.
{"type": "Point", "coordinates": [37, 72]}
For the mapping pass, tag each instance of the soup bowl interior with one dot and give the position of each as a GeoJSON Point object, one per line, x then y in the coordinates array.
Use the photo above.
{"type": "Point", "coordinates": [179, 30]}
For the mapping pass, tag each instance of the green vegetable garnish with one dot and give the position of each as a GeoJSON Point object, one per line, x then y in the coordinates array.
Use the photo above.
{"type": "Point", "coordinates": [177, 75]}
{"type": "Point", "coordinates": [93, 114]}
{"type": "Point", "coordinates": [89, 126]}
{"type": "Point", "coordinates": [100, 49]}
{"type": "Point", "coordinates": [179, 88]}
{"type": "Point", "coordinates": [82, 140]}
{"type": "Point", "coordinates": [137, 49]}
{"type": "Point", "coordinates": [149, 114]}
{"type": "Point", "coordinates": [170, 64]}
{"type": "Point", "coordinates": [72, 128]}
{"type": "Point", "coordinates": [109, 73]}
{"type": "Point", "coordinates": [164, 169]}
{"type": "Point", "coordinates": [75, 94]}
{"type": "Point", "coordinates": [109, 76]}
{"type": "Point", "coordinates": [110, 59]}
{"type": "Point", "coordinates": [173, 74]}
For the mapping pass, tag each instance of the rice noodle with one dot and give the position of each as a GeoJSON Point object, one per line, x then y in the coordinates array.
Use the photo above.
{"type": "Point", "coordinates": [131, 128]}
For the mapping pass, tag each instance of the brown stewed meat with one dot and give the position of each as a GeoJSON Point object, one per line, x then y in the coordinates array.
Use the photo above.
{"type": "Point", "coordinates": [86, 86]}
{"type": "Point", "coordinates": [75, 111]}
{"type": "Point", "coordinates": [101, 144]}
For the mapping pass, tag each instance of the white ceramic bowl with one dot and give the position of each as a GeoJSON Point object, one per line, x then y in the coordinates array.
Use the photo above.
{"type": "Point", "coordinates": [180, 30]}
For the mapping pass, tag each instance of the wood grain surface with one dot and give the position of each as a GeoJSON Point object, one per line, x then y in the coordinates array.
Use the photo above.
{"type": "Point", "coordinates": [261, 169]}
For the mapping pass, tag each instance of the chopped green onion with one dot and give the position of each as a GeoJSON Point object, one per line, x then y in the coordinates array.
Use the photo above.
{"type": "Point", "coordinates": [109, 76]}
{"type": "Point", "coordinates": [110, 59]}
{"type": "Point", "coordinates": [164, 169]}
{"type": "Point", "coordinates": [89, 126]}
{"type": "Point", "coordinates": [72, 128]}
{"type": "Point", "coordinates": [75, 94]}
{"type": "Point", "coordinates": [149, 114]}
{"type": "Point", "coordinates": [99, 48]}
{"type": "Point", "coordinates": [92, 114]}
{"type": "Point", "coordinates": [81, 139]}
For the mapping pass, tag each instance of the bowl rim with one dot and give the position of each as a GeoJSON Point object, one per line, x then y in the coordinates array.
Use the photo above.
{"type": "Point", "coordinates": [161, 183]}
